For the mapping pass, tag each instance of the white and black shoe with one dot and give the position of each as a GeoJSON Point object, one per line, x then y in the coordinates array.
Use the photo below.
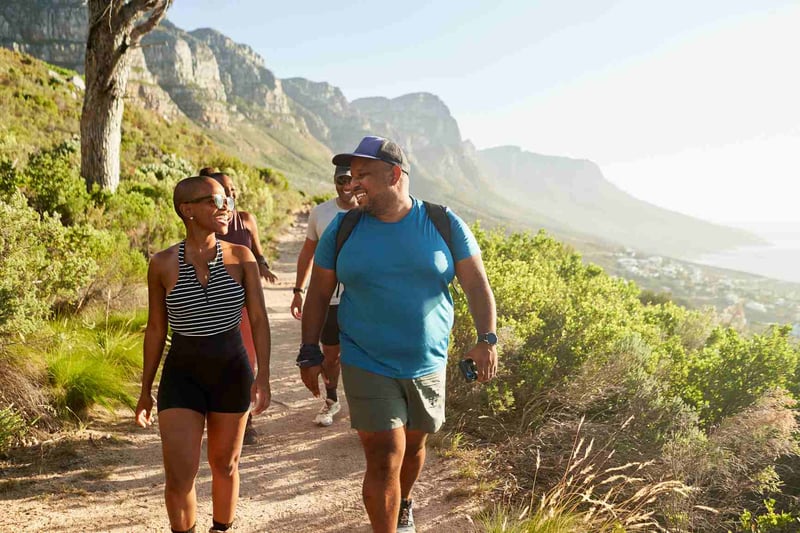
{"type": "Point", "coordinates": [325, 415]}
{"type": "Point", "coordinates": [405, 522]}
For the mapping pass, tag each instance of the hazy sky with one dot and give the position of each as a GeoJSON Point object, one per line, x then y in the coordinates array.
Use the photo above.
{"type": "Point", "coordinates": [691, 105]}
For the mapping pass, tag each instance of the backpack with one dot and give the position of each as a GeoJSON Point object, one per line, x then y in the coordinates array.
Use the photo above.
{"type": "Point", "coordinates": [437, 213]}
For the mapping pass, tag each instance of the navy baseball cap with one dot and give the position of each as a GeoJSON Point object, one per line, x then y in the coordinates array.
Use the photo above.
{"type": "Point", "coordinates": [376, 148]}
{"type": "Point", "coordinates": [341, 171]}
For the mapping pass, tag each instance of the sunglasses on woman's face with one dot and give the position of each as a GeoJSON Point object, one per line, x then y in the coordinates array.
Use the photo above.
{"type": "Point", "coordinates": [342, 180]}
{"type": "Point", "coordinates": [220, 201]}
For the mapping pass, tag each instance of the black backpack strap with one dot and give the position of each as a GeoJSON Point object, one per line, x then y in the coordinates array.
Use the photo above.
{"type": "Point", "coordinates": [438, 215]}
{"type": "Point", "coordinates": [349, 221]}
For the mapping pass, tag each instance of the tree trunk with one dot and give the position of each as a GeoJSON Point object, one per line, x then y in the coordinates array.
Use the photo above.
{"type": "Point", "coordinates": [114, 27]}
{"type": "Point", "coordinates": [103, 106]}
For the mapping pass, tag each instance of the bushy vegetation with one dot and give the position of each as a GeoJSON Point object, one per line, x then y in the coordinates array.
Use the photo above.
{"type": "Point", "coordinates": [614, 409]}
{"type": "Point", "coordinates": [604, 396]}
{"type": "Point", "coordinates": [12, 426]}
{"type": "Point", "coordinates": [70, 258]}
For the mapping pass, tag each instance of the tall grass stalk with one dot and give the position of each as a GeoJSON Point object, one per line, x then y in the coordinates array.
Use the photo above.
{"type": "Point", "coordinates": [589, 496]}
{"type": "Point", "coordinates": [93, 364]}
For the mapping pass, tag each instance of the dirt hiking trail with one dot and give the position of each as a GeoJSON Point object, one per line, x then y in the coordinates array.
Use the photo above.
{"type": "Point", "coordinates": [299, 478]}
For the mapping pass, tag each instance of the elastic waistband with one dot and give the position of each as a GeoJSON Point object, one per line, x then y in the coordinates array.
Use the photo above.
{"type": "Point", "coordinates": [233, 332]}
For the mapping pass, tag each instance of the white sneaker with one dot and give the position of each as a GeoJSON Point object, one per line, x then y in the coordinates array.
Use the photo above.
{"type": "Point", "coordinates": [325, 415]}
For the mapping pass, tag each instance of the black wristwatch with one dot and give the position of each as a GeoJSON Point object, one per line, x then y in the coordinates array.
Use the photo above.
{"type": "Point", "coordinates": [489, 338]}
{"type": "Point", "coordinates": [298, 290]}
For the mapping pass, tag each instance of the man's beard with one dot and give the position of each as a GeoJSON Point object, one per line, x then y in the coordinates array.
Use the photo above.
{"type": "Point", "coordinates": [377, 205]}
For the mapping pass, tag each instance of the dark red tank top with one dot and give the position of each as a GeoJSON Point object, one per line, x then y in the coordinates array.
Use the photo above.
{"type": "Point", "coordinates": [237, 232]}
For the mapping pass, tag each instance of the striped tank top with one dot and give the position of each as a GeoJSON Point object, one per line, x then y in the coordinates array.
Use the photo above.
{"type": "Point", "coordinates": [197, 311]}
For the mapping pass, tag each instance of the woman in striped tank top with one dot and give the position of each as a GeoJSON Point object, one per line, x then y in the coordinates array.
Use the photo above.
{"type": "Point", "coordinates": [198, 288]}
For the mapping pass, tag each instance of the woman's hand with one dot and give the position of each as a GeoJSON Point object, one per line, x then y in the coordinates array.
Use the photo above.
{"type": "Point", "coordinates": [260, 394]}
{"type": "Point", "coordinates": [267, 274]}
{"type": "Point", "coordinates": [144, 410]}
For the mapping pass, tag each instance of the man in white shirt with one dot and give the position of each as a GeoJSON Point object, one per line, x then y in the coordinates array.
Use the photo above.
{"type": "Point", "coordinates": [318, 220]}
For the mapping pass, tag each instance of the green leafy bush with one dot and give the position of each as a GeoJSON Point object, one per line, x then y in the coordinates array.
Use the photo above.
{"type": "Point", "coordinates": [701, 404]}
{"type": "Point", "coordinates": [769, 521]}
{"type": "Point", "coordinates": [38, 265]}
{"type": "Point", "coordinates": [53, 184]}
{"type": "Point", "coordinates": [731, 372]}
{"type": "Point", "coordinates": [8, 178]}
{"type": "Point", "coordinates": [12, 427]}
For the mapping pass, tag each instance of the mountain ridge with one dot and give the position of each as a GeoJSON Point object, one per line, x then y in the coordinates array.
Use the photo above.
{"type": "Point", "coordinates": [296, 124]}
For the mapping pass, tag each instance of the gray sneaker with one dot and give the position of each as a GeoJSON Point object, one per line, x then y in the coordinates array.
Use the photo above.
{"type": "Point", "coordinates": [325, 415]}
{"type": "Point", "coordinates": [250, 433]}
{"type": "Point", "coordinates": [405, 522]}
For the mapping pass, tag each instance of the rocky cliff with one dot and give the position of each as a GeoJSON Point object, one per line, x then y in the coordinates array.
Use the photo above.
{"type": "Point", "coordinates": [202, 74]}
{"type": "Point", "coordinates": [423, 123]}
{"type": "Point", "coordinates": [295, 125]}
{"type": "Point", "coordinates": [442, 167]}
{"type": "Point", "coordinates": [52, 30]}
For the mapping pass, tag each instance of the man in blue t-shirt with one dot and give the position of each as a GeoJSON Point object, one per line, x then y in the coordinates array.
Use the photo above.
{"type": "Point", "coordinates": [395, 319]}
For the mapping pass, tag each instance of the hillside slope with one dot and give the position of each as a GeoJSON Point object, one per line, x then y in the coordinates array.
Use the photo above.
{"type": "Point", "coordinates": [575, 192]}
{"type": "Point", "coordinates": [295, 125]}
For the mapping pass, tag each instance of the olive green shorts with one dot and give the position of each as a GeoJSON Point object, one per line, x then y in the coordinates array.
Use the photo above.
{"type": "Point", "coordinates": [380, 403]}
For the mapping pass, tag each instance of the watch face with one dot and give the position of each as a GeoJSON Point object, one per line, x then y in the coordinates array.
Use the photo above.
{"type": "Point", "coordinates": [488, 338]}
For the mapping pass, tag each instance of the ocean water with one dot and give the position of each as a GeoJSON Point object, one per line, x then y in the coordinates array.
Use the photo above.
{"type": "Point", "coordinates": [780, 259]}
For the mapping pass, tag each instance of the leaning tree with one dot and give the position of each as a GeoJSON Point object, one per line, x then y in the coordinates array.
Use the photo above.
{"type": "Point", "coordinates": [115, 26]}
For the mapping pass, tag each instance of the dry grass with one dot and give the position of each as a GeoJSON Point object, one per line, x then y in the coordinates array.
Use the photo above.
{"type": "Point", "coordinates": [22, 387]}
{"type": "Point", "coordinates": [733, 466]}
{"type": "Point", "coordinates": [590, 495]}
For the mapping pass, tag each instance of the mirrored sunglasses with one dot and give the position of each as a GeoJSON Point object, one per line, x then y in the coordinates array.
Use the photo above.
{"type": "Point", "coordinates": [220, 201]}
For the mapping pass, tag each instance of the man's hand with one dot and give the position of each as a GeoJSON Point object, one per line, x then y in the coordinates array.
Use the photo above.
{"type": "Point", "coordinates": [260, 394]}
{"type": "Point", "coordinates": [310, 376]}
{"type": "Point", "coordinates": [267, 274]}
{"type": "Point", "coordinates": [485, 357]}
{"type": "Point", "coordinates": [143, 415]}
{"type": "Point", "coordinates": [297, 306]}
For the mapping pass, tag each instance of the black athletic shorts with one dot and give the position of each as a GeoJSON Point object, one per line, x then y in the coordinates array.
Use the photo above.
{"type": "Point", "coordinates": [206, 374]}
{"type": "Point", "coordinates": [330, 331]}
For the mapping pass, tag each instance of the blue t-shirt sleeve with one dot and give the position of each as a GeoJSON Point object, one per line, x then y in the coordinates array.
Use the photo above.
{"type": "Point", "coordinates": [463, 241]}
{"type": "Point", "coordinates": [325, 254]}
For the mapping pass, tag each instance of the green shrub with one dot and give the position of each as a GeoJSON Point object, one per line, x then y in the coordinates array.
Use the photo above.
{"type": "Point", "coordinates": [33, 251]}
{"type": "Point", "coordinates": [702, 403]}
{"type": "Point", "coordinates": [12, 427]}
{"type": "Point", "coordinates": [731, 371]}
{"type": "Point", "coordinates": [53, 184]}
{"type": "Point", "coordinates": [769, 521]}
{"type": "Point", "coordinates": [8, 178]}
{"type": "Point", "coordinates": [114, 265]}
{"type": "Point", "coordinates": [320, 198]}
{"type": "Point", "coordinates": [277, 180]}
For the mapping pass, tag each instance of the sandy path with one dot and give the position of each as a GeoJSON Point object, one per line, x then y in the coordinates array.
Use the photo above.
{"type": "Point", "coordinates": [299, 478]}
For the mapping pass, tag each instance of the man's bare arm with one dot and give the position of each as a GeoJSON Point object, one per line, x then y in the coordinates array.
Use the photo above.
{"type": "Point", "coordinates": [472, 278]}
{"type": "Point", "coordinates": [304, 260]}
{"type": "Point", "coordinates": [323, 283]}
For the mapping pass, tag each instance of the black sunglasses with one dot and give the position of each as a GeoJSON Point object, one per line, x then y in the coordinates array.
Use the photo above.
{"type": "Point", "coordinates": [343, 179]}
{"type": "Point", "coordinates": [220, 201]}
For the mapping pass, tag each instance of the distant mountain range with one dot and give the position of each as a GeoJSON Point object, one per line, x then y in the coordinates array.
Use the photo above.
{"type": "Point", "coordinates": [296, 125]}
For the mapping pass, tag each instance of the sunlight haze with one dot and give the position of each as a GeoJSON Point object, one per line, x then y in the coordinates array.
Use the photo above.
{"type": "Point", "coordinates": [688, 105]}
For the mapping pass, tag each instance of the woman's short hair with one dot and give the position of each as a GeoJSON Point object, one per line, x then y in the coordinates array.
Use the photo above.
{"type": "Point", "coordinates": [186, 190]}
